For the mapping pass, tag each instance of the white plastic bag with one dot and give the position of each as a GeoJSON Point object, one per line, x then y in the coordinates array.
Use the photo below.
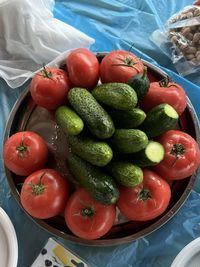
{"type": "Point", "coordinates": [30, 36]}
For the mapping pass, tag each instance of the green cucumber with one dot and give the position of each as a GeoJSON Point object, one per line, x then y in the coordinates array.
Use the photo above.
{"type": "Point", "coordinates": [160, 119]}
{"type": "Point", "coordinates": [97, 119]}
{"type": "Point", "coordinates": [99, 184]}
{"type": "Point", "coordinates": [96, 152]}
{"type": "Point", "coordinates": [152, 154]}
{"type": "Point", "coordinates": [68, 120]}
{"type": "Point", "coordinates": [126, 173]}
{"type": "Point", "coordinates": [116, 95]}
{"type": "Point", "coordinates": [128, 119]}
{"type": "Point", "coordinates": [129, 140]}
{"type": "Point", "coordinates": [140, 83]}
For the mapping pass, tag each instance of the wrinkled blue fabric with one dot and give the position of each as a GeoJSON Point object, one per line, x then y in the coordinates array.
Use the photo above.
{"type": "Point", "coordinates": [114, 25]}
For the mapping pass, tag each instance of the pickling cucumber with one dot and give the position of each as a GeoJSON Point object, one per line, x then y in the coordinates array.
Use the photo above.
{"type": "Point", "coordinates": [99, 184]}
{"type": "Point", "coordinates": [152, 154]}
{"type": "Point", "coordinates": [140, 83]}
{"type": "Point", "coordinates": [128, 119]}
{"type": "Point", "coordinates": [129, 140]}
{"type": "Point", "coordinates": [126, 173]}
{"type": "Point", "coordinates": [116, 95]}
{"type": "Point", "coordinates": [68, 120]}
{"type": "Point", "coordinates": [96, 152]}
{"type": "Point", "coordinates": [96, 118]}
{"type": "Point", "coordinates": [160, 119]}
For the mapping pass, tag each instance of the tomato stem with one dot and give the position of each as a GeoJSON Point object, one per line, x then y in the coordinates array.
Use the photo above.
{"type": "Point", "coordinates": [38, 189]}
{"type": "Point", "coordinates": [144, 194]}
{"type": "Point", "coordinates": [127, 62]}
{"type": "Point", "coordinates": [164, 82]}
{"type": "Point", "coordinates": [177, 150]}
{"type": "Point", "coordinates": [87, 212]}
{"type": "Point", "coordinates": [46, 74]}
{"type": "Point", "coordinates": [22, 150]}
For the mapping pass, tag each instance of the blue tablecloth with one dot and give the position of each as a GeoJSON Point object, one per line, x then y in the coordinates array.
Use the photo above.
{"type": "Point", "coordinates": [113, 24]}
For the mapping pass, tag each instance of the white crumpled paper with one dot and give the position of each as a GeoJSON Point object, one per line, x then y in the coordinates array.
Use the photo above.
{"type": "Point", "coordinates": [30, 36]}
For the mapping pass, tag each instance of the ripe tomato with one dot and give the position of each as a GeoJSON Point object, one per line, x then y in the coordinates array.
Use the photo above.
{"type": "Point", "coordinates": [165, 92]}
{"type": "Point", "coordinates": [24, 153]}
{"type": "Point", "coordinates": [49, 87]}
{"type": "Point", "coordinates": [182, 155]}
{"type": "Point", "coordinates": [44, 194]}
{"type": "Point", "coordinates": [147, 200]}
{"type": "Point", "coordinates": [120, 66]}
{"type": "Point", "coordinates": [83, 68]}
{"type": "Point", "coordinates": [87, 218]}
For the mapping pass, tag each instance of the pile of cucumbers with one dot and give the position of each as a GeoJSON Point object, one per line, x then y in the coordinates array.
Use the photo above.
{"type": "Point", "coordinates": [110, 138]}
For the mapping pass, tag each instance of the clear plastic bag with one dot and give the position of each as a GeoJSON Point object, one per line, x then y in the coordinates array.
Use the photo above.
{"type": "Point", "coordinates": [30, 36]}
{"type": "Point", "coordinates": [180, 39]}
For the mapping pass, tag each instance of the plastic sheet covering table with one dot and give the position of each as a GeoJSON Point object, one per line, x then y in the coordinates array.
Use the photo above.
{"type": "Point", "coordinates": [114, 25]}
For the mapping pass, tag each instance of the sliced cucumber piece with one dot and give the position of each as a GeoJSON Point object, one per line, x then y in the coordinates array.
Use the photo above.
{"type": "Point", "coordinates": [152, 154]}
{"type": "Point", "coordinates": [160, 119]}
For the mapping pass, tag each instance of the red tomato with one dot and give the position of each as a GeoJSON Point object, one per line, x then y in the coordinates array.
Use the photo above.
{"type": "Point", "coordinates": [83, 68]}
{"type": "Point", "coordinates": [165, 92]}
{"type": "Point", "coordinates": [25, 152]}
{"type": "Point", "coordinates": [49, 88]}
{"type": "Point", "coordinates": [87, 218]}
{"type": "Point", "coordinates": [182, 155]}
{"type": "Point", "coordinates": [147, 200]}
{"type": "Point", "coordinates": [44, 194]}
{"type": "Point", "coordinates": [120, 66]}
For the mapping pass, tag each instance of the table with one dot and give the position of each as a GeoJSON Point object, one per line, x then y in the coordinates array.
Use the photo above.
{"type": "Point", "coordinates": [114, 25]}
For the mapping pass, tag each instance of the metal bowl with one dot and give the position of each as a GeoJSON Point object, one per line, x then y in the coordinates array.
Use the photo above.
{"type": "Point", "coordinates": [25, 115]}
